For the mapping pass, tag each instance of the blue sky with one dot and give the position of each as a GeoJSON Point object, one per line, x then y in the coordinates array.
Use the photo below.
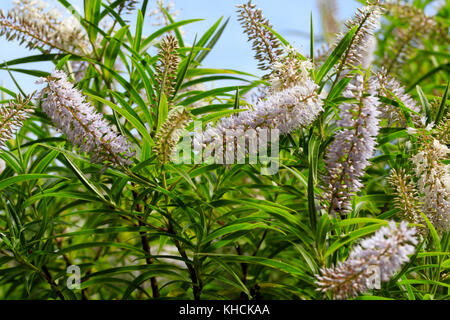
{"type": "Point", "coordinates": [289, 17]}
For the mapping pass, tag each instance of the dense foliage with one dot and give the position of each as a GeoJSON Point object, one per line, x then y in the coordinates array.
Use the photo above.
{"type": "Point", "coordinates": [88, 187]}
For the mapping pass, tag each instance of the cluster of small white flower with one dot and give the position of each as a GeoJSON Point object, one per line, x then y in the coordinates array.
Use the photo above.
{"type": "Point", "coordinates": [65, 34]}
{"type": "Point", "coordinates": [289, 70]}
{"type": "Point", "coordinates": [265, 44]}
{"type": "Point", "coordinates": [159, 13]}
{"type": "Point", "coordinates": [78, 119]}
{"type": "Point", "coordinates": [12, 116]}
{"type": "Point", "coordinates": [391, 88]}
{"type": "Point", "coordinates": [434, 183]}
{"type": "Point", "coordinates": [348, 155]}
{"type": "Point", "coordinates": [367, 19]}
{"type": "Point", "coordinates": [383, 253]}
{"type": "Point", "coordinates": [286, 111]}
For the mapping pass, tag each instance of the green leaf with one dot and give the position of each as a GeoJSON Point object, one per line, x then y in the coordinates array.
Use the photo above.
{"type": "Point", "coordinates": [443, 106]}
{"type": "Point", "coordinates": [138, 34]}
{"type": "Point", "coordinates": [425, 104]}
{"type": "Point", "coordinates": [136, 123]}
{"type": "Point", "coordinates": [433, 232]}
{"type": "Point", "coordinates": [163, 30]}
{"type": "Point", "coordinates": [208, 94]}
{"type": "Point", "coordinates": [25, 177]}
{"type": "Point", "coordinates": [63, 61]}
{"type": "Point", "coordinates": [336, 55]}
{"type": "Point", "coordinates": [92, 15]}
{"type": "Point", "coordinates": [239, 282]}
{"type": "Point", "coordinates": [443, 67]}
{"type": "Point", "coordinates": [422, 281]}
{"type": "Point", "coordinates": [352, 236]}
{"type": "Point", "coordinates": [112, 50]}
{"type": "Point", "coordinates": [271, 263]}
{"type": "Point", "coordinates": [213, 41]}
{"type": "Point", "coordinates": [163, 111]}
{"type": "Point", "coordinates": [321, 232]}
{"type": "Point", "coordinates": [313, 157]}
{"type": "Point", "coordinates": [84, 179]}
{"type": "Point", "coordinates": [36, 58]}
{"type": "Point", "coordinates": [185, 64]}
